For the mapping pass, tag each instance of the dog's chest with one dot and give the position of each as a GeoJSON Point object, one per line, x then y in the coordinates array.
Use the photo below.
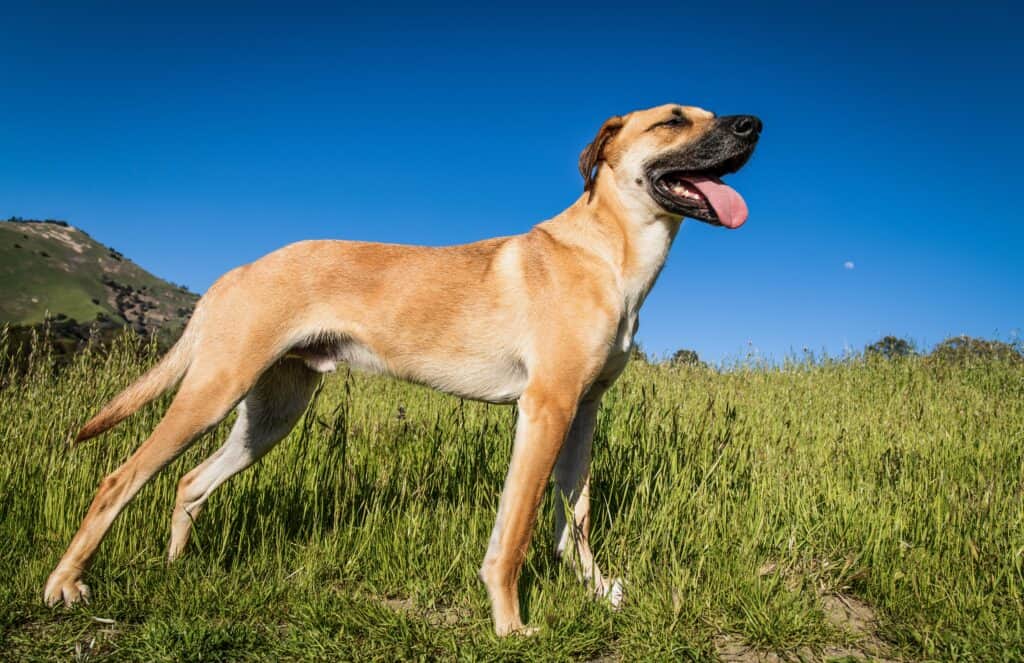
{"type": "Point", "coordinates": [628, 327]}
{"type": "Point", "coordinates": [618, 354]}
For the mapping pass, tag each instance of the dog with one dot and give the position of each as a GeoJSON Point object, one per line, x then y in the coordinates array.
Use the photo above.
{"type": "Point", "coordinates": [545, 319]}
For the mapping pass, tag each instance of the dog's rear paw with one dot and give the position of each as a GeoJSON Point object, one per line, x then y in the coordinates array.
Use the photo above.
{"type": "Point", "coordinates": [65, 588]}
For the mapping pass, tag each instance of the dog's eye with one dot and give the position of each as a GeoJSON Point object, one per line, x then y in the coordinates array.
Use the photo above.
{"type": "Point", "coordinates": [675, 122]}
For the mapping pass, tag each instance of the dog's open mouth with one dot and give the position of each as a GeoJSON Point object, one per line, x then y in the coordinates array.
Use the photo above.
{"type": "Point", "coordinates": [702, 197]}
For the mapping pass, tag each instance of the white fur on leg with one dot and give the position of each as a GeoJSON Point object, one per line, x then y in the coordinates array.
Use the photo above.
{"type": "Point", "coordinates": [614, 593]}
{"type": "Point", "coordinates": [572, 476]}
{"type": "Point", "coordinates": [265, 416]}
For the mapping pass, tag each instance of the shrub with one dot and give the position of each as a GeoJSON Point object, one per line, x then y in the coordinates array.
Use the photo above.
{"type": "Point", "coordinates": [964, 349]}
{"type": "Point", "coordinates": [684, 357]}
{"type": "Point", "coordinates": [891, 347]}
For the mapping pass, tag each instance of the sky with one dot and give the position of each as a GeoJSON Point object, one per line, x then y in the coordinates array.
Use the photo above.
{"type": "Point", "coordinates": [194, 137]}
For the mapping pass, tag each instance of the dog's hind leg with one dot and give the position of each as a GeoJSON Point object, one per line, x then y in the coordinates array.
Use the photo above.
{"type": "Point", "coordinates": [265, 416]}
{"type": "Point", "coordinates": [572, 495]}
{"type": "Point", "coordinates": [202, 401]}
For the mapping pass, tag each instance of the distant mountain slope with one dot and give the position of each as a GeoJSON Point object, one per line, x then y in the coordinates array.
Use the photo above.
{"type": "Point", "coordinates": [51, 269]}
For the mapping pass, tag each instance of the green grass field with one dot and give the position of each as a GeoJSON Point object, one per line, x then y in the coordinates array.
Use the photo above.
{"type": "Point", "coordinates": [837, 510]}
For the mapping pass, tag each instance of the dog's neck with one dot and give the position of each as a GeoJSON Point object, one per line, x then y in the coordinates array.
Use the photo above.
{"type": "Point", "coordinates": [629, 232]}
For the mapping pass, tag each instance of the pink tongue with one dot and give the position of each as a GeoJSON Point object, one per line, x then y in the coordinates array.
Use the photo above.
{"type": "Point", "coordinates": [729, 205]}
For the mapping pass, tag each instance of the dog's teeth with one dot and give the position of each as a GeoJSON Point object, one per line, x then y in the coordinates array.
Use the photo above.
{"type": "Point", "coordinates": [682, 190]}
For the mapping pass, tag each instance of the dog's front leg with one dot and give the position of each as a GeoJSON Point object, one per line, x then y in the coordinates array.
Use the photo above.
{"type": "Point", "coordinates": [544, 418]}
{"type": "Point", "coordinates": [572, 495]}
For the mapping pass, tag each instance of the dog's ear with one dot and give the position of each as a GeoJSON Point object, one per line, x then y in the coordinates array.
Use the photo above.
{"type": "Point", "coordinates": [593, 154]}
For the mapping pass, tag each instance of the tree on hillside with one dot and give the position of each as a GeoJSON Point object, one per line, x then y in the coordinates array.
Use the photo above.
{"type": "Point", "coordinates": [684, 357]}
{"type": "Point", "coordinates": [959, 349]}
{"type": "Point", "coordinates": [891, 347]}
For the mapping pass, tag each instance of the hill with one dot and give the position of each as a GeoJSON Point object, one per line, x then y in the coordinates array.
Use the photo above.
{"type": "Point", "coordinates": [52, 270]}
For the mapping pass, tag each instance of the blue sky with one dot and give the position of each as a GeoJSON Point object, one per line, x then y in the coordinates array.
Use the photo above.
{"type": "Point", "coordinates": [195, 139]}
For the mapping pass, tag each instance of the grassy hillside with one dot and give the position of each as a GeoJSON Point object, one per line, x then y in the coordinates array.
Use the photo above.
{"type": "Point", "coordinates": [55, 270]}
{"type": "Point", "coordinates": [831, 511]}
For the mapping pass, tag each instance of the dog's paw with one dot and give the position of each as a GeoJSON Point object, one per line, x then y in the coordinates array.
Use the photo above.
{"type": "Point", "coordinates": [612, 590]}
{"type": "Point", "coordinates": [525, 631]}
{"type": "Point", "coordinates": [175, 549]}
{"type": "Point", "coordinates": [615, 593]}
{"type": "Point", "coordinates": [515, 629]}
{"type": "Point", "coordinates": [65, 588]}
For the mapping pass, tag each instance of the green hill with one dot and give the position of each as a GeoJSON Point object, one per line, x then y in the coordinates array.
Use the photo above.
{"type": "Point", "coordinates": [52, 270]}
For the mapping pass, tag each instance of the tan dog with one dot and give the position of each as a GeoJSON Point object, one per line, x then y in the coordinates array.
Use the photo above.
{"type": "Point", "coordinates": [545, 319]}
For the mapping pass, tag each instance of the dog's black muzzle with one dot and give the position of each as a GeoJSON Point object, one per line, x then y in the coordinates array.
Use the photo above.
{"type": "Point", "coordinates": [724, 149]}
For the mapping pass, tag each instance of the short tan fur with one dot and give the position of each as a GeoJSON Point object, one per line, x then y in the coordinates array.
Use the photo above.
{"type": "Point", "coordinates": [545, 319]}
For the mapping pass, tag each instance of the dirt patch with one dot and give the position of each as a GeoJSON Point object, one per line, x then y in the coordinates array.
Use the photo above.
{"type": "Point", "coordinates": [858, 618]}
{"type": "Point", "coordinates": [61, 234]}
{"type": "Point", "coordinates": [731, 649]}
{"type": "Point", "coordinates": [437, 616]}
{"type": "Point", "coordinates": [846, 613]}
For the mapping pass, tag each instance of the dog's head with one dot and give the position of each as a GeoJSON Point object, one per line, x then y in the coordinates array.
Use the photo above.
{"type": "Point", "coordinates": [671, 158]}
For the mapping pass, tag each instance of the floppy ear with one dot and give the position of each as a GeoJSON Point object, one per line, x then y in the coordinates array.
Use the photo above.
{"type": "Point", "coordinates": [593, 154]}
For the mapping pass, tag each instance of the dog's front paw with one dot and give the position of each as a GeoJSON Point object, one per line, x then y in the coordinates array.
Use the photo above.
{"type": "Point", "coordinates": [612, 590]}
{"type": "Point", "coordinates": [524, 631]}
{"type": "Point", "coordinates": [65, 587]}
{"type": "Point", "coordinates": [615, 593]}
{"type": "Point", "coordinates": [514, 627]}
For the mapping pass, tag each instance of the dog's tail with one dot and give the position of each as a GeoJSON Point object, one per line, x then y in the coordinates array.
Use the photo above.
{"type": "Point", "coordinates": [166, 374]}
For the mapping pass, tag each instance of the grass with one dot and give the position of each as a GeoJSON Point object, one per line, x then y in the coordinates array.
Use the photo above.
{"type": "Point", "coordinates": [737, 504]}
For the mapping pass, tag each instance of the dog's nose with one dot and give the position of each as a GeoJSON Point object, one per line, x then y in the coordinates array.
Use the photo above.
{"type": "Point", "coordinates": [745, 126]}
